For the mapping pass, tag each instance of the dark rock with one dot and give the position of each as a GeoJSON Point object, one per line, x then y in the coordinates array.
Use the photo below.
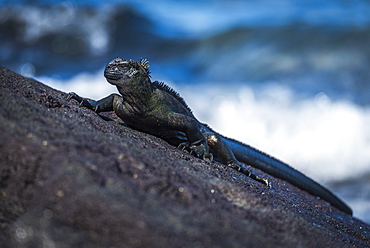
{"type": "Point", "coordinates": [69, 178]}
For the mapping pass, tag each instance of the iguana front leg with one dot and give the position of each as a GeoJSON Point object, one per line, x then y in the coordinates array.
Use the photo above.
{"type": "Point", "coordinates": [220, 149]}
{"type": "Point", "coordinates": [103, 105]}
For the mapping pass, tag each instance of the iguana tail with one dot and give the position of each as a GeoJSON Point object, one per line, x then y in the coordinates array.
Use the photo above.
{"type": "Point", "coordinates": [249, 155]}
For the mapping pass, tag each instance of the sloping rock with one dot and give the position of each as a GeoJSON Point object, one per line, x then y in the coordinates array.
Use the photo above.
{"type": "Point", "coordinates": [70, 178]}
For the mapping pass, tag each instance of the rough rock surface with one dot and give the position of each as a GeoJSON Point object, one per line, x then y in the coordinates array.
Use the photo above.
{"type": "Point", "coordinates": [69, 178]}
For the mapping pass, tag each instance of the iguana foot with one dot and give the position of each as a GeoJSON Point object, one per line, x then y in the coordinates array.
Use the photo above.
{"type": "Point", "coordinates": [184, 146]}
{"type": "Point", "coordinates": [261, 179]}
{"type": "Point", "coordinates": [241, 168]}
{"type": "Point", "coordinates": [72, 95]}
{"type": "Point", "coordinates": [200, 151]}
{"type": "Point", "coordinates": [83, 101]}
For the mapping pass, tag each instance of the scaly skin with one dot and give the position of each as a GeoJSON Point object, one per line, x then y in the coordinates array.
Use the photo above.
{"type": "Point", "coordinates": [156, 109]}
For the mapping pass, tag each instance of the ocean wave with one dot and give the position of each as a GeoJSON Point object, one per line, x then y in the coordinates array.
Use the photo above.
{"type": "Point", "coordinates": [309, 55]}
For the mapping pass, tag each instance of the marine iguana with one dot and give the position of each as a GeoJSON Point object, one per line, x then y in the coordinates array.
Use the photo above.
{"type": "Point", "coordinates": [155, 108]}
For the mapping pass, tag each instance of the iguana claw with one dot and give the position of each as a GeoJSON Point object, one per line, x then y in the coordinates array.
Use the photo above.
{"type": "Point", "coordinates": [184, 146]}
{"type": "Point", "coordinates": [72, 95]}
{"type": "Point", "coordinates": [83, 101]}
{"type": "Point", "coordinates": [200, 151]}
{"type": "Point", "coordinates": [241, 168]}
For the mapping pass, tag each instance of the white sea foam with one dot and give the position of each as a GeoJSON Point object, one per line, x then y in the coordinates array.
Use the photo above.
{"type": "Point", "coordinates": [89, 85]}
{"type": "Point", "coordinates": [326, 140]}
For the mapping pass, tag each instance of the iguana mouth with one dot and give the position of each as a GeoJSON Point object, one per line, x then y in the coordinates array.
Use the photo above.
{"type": "Point", "coordinates": [113, 75]}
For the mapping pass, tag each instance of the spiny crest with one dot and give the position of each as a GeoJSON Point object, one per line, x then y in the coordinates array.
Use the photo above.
{"type": "Point", "coordinates": [168, 89]}
{"type": "Point", "coordinates": [145, 64]}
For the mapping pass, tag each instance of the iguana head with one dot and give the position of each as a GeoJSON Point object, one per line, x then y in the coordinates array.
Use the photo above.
{"type": "Point", "coordinates": [119, 69]}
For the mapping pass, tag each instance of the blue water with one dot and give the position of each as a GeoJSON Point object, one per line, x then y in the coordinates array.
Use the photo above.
{"type": "Point", "coordinates": [288, 77]}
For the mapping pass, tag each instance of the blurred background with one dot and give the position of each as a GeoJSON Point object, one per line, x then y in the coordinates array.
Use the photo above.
{"type": "Point", "coordinates": [290, 77]}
